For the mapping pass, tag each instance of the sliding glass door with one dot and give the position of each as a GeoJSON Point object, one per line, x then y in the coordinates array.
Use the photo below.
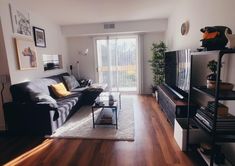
{"type": "Point", "coordinates": [117, 63]}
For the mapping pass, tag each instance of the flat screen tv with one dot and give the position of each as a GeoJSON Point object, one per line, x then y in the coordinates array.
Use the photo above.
{"type": "Point", "coordinates": [177, 71]}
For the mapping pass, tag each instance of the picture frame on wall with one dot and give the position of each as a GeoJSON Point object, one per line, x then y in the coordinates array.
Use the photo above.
{"type": "Point", "coordinates": [39, 37]}
{"type": "Point", "coordinates": [26, 53]}
{"type": "Point", "coordinates": [20, 21]}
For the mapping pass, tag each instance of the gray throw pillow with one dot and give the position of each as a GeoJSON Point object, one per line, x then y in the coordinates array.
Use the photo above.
{"type": "Point", "coordinates": [71, 82]}
{"type": "Point", "coordinates": [44, 97]}
{"type": "Point", "coordinates": [40, 97]}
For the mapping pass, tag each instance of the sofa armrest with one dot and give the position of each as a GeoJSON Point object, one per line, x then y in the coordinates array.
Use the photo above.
{"type": "Point", "coordinates": [48, 104]}
{"type": "Point", "coordinates": [29, 117]}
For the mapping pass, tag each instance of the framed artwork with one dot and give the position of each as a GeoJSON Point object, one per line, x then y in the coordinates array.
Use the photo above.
{"type": "Point", "coordinates": [51, 62]}
{"type": "Point", "coordinates": [20, 21]}
{"type": "Point", "coordinates": [39, 37]}
{"type": "Point", "coordinates": [26, 51]}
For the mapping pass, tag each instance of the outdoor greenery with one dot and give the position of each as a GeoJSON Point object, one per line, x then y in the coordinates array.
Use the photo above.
{"type": "Point", "coordinates": [157, 62]}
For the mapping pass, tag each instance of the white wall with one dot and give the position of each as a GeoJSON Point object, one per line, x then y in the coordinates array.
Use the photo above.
{"type": "Point", "coordinates": [203, 13]}
{"type": "Point", "coordinates": [152, 25]}
{"type": "Point", "coordinates": [56, 44]}
{"type": "Point", "coordinates": [86, 63]}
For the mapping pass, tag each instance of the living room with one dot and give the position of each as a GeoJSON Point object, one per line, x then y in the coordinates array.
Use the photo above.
{"type": "Point", "coordinates": [71, 31]}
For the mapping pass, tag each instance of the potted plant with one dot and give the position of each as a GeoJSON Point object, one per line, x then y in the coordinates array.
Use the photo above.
{"type": "Point", "coordinates": [211, 78]}
{"type": "Point", "coordinates": [157, 64]}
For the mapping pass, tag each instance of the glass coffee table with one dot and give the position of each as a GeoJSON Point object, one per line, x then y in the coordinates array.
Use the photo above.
{"type": "Point", "coordinates": [109, 109]}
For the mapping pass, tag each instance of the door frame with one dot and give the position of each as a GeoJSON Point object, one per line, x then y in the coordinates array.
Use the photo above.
{"type": "Point", "coordinates": [138, 63]}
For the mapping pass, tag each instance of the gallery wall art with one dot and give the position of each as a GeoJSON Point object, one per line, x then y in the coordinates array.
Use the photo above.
{"type": "Point", "coordinates": [39, 37]}
{"type": "Point", "coordinates": [20, 21]}
{"type": "Point", "coordinates": [26, 51]}
{"type": "Point", "coordinates": [51, 62]}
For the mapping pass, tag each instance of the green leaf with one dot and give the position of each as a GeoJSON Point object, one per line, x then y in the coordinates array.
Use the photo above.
{"type": "Point", "coordinates": [157, 62]}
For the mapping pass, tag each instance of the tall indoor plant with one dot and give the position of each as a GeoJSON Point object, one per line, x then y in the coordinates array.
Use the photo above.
{"type": "Point", "coordinates": [157, 63]}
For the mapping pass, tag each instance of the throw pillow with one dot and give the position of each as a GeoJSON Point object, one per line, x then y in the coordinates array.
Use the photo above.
{"type": "Point", "coordinates": [43, 98]}
{"type": "Point", "coordinates": [71, 82]}
{"type": "Point", "coordinates": [59, 90]}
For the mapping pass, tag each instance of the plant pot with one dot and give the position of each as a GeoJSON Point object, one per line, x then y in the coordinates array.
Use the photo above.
{"type": "Point", "coordinates": [210, 84]}
{"type": "Point", "coordinates": [156, 95]}
{"type": "Point", "coordinates": [223, 85]}
{"type": "Point", "coordinates": [212, 77]}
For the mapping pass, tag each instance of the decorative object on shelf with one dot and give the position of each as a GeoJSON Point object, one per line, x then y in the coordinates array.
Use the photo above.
{"type": "Point", "coordinates": [26, 52]}
{"type": "Point", "coordinates": [20, 21]}
{"type": "Point", "coordinates": [185, 28]}
{"type": "Point", "coordinates": [39, 37]}
{"type": "Point", "coordinates": [214, 37]}
{"type": "Point", "coordinates": [111, 99]}
{"type": "Point", "coordinates": [211, 78]}
{"type": "Point", "coordinates": [157, 63]}
{"type": "Point", "coordinates": [231, 39]}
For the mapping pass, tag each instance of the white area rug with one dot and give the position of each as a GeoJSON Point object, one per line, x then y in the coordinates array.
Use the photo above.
{"type": "Point", "coordinates": [80, 125]}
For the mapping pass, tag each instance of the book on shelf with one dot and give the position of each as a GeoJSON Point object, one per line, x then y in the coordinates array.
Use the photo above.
{"type": "Point", "coordinates": [224, 124]}
{"type": "Point", "coordinates": [222, 110]}
{"type": "Point", "coordinates": [210, 114]}
{"type": "Point", "coordinates": [218, 130]}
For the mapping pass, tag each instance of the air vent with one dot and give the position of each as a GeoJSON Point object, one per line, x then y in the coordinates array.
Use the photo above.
{"type": "Point", "coordinates": [109, 26]}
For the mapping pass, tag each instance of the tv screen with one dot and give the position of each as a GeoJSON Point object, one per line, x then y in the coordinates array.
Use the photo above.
{"type": "Point", "coordinates": [177, 69]}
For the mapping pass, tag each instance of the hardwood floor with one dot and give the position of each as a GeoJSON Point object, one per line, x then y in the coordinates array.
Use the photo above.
{"type": "Point", "coordinates": [154, 145]}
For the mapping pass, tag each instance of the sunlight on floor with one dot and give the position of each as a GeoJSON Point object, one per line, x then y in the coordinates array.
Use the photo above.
{"type": "Point", "coordinates": [30, 153]}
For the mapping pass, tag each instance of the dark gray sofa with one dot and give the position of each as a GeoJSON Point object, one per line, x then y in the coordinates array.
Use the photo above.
{"type": "Point", "coordinates": [26, 116]}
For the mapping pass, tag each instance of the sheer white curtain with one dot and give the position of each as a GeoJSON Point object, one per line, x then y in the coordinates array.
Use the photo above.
{"type": "Point", "coordinates": [117, 62]}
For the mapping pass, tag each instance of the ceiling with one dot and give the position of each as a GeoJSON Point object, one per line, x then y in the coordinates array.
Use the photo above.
{"type": "Point", "coordinates": [69, 12]}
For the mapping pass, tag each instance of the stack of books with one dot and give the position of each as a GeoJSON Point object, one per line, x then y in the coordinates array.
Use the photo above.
{"type": "Point", "coordinates": [224, 123]}
{"type": "Point", "coordinates": [222, 110]}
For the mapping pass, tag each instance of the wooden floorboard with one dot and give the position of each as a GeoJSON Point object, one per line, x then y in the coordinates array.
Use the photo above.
{"type": "Point", "coordinates": [154, 145]}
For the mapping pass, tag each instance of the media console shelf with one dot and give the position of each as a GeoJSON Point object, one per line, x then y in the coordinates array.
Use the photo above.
{"type": "Point", "coordinates": [172, 106]}
{"type": "Point", "coordinates": [214, 125]}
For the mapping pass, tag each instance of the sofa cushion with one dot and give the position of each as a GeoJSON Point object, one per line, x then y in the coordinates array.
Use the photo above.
{"type": "Point", "coordinates": [21, 92]}
{"type": "Point", "coordinates": [65, 106]}
{"type": "Point", "coordinates": [60, 90]}
{"type": "Point", "coordinates": [71, 82]}
{"type": "Point", "coordinates": [43, 98]}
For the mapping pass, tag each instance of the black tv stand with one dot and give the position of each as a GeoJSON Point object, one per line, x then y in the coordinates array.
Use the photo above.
{"type": "Point", "coordinates": [178, 95]}
{"type": "Point", "coordinates": [172, 105]}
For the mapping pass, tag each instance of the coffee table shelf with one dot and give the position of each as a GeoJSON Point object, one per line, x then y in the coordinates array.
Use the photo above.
{"type": "Point", "coordinates": [108, 109]}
